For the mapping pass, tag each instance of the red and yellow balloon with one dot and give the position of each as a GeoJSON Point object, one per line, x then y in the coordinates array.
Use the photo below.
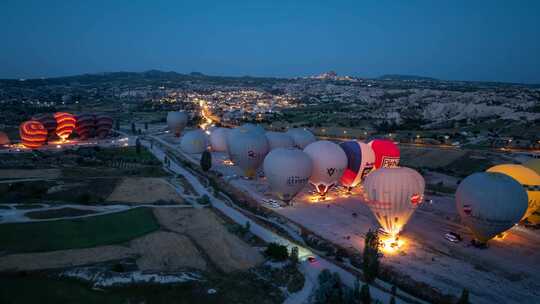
{"type": "Point", "coordinates": [33, 134]}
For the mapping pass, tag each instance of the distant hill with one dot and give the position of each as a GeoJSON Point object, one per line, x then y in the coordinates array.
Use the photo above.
{"type": "Point", "coordinates": [406, 77]}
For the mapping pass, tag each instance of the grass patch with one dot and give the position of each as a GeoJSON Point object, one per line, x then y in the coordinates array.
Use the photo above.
{"type": "Point", "coordinates": [57, 213]}
{"type": "Point", "coordinates": [77, 233]}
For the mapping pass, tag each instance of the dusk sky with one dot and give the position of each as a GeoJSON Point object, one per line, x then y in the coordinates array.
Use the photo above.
{"type": "Point", "coordinates": [458, 40]}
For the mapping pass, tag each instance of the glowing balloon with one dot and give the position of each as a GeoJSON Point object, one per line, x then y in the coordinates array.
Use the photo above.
{"type": "Point", "coordinates": [65, 124]}
{"type": "Point", "coordinates": [386, 153]}
{"type": "Point", "coordinates": [360, 160]}
{"type": "Point", "coordinates": [33, 134]}
{"type": "Point", "coordinates": [288, 171]}
{"type": "Point", "coordinates": [490, 203]}
{"type": "Point", "coordinates": [393, 194]}
{"type": "Point", "coordinates": [329, 161]}
{"type": "Point", "coordinates": [177, 121]}
{"type": "Point", "coordinates": [4, 139]}
{"type": "Point", "coordinates": [48, 121]}
{"type": "Point", "coordinates": [279, 140]}
{"type": "Point", "coordinates": [528, 179]}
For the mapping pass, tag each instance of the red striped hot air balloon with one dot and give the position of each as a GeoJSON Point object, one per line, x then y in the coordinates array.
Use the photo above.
{"type": "Point", "coordinates": [33, 134]}
{"type": "Point", "coordinates": [104, 125]}
{"type": "Point", "coordinates": [86, 125]}
{"type": "Point", "coordinates": [65, 124]}
{"type": "Point", "coordinates": [48, 121]}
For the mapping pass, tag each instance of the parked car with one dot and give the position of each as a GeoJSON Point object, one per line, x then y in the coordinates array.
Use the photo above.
{"type": "Point", "coordinates": [453, 237]}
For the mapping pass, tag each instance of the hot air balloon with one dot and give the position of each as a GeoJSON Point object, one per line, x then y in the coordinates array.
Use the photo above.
{"type": "Point", "coordinates": [246, 149]}
{"type": "Point", "coordinates": [528, 179]}
{"type": "Point", "coordinates": [392, 195]}
{"type": "Point", "coordinates": [4, 139]}
{"type": "Point", "coordinates": [360, 160]}
{"type": "Point", "coordinates": [253, 128]}
{"type": "Point", "coordinates": [301, 137]}
{"type": "Point", "coordinates": [33, 134]}
{"type": "Point", "coordinates": [48, 121]}
{"type": "Point", "coordinates": [86, 125]}
{"type": "Point", "coordinates": [533, 164]}
{"type": "Point", "coordinates": [65, 124]}
{"type": "Point", "coordinates": [386, 153]}
{"type": "Point", "coordinates": [288, 171]}
{"type": "Point", "coordinates": [218, 139]}
{"type": "Point", "coordinates": [490, 203]}
{"type": "Point", "coordinates": [279, 140]}
{"type": "Point", "coordinates": [177, 121]}
{"type": "Point", "coordinates": [104, 125]}
{"type": "Point", "coordinates": [194, 141]}
{"type": "Point", "coordinates": [329, 162]}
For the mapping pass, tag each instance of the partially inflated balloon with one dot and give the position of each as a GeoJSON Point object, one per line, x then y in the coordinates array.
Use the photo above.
{"type": "Point", "coordinates": [329, 161]}
{"type": "Point", "coordinates": [393, 194]}
{"type": "Point", "coordinates": [177, 121]}
{"type": "Point", "coordinates": [86, 125]}
{"type": "Point", "coordinates": [65, 124]}
{"type": "Point", "coordinates": [279, 140]}
{"type": "Point", "coordinates": [104, 125]}
{"type": "Point", "coordinates": [302, 137]}
{"type": "Point", "coordinates": [490, 203]}
{"type": "Point", "coordinates": [528, 179]}
{"type": "Point", "coordinates": [360, 160]}
{"type": "Point", "coordinates": [386, 153]}
{"type": "Point", "coordinates": [4, 139]}
{"type": "Point", "coordinates": [194, 141]}
{"type": "Point", "coordinates": [218, 139]}
{"type": "Point", "coordinates": [33, 134]}
{"type": "Point", "coordinates": [247, 149]}
{"type": "Point", "coordinates": [288, 171]}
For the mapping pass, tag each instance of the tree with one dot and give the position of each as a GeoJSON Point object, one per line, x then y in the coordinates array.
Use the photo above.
{"type": "Point", "coordinates": [146, 126]}
{"type": "Point", "coordinates": [464, 299]}
{"type": "Point", "coordinates": [138, 145]}
{"type": "Point", "coordinates": [365, 296]}
{"type": "Point", "coordinates": [276, 251]}
{"type": "Point", "coordinates": [393, 298]}
{"type": "Point", "coordinates": [117, 122]}
{"type": "Point", "coordinates": [356, 291]}
{"type": "Point", "coordinates": [370, 261]}
{"type": "Point", "coordinates": [206, 161]}
{"type": "Point", "coordinates": [247, 227]}
{"type": "Point", "coordinates": [294, 255]}
{"type": "Point", "coordinates": [133, 130]}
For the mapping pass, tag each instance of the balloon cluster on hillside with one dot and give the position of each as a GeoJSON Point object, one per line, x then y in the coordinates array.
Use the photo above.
{"type": "Point", "coordinates": [47, 126]}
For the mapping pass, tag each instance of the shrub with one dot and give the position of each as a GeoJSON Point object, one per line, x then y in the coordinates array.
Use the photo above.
{"type": "Point", "coordinates": [277, 252]}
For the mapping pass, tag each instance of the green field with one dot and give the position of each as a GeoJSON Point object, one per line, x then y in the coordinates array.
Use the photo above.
{"type": "Point", "coordinates": [77, 233]}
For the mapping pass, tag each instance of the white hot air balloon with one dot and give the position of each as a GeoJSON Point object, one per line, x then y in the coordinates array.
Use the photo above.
{"type": "Point", "coordinates": [392, 195]}
{"type": "Point", "coordinates": [218, 139]}
{"type": "Point", "coordinates": [279, 140]}
{"type": "Point", "coordinates": [288, 171]}
{"type": "Point", "coordinates": [490, 203]}
{"type": "Point", "coordinates": [176, 122]}
{"type": "Point", "coordinates": [253, 128]}
{"type": "Point", "coordinates": [247, 149]}
{"type": "Point", "coordinates": [301, 137]}
{"type": "Point", "coordinates": [194, 141]}
{"type": "Point", "coordinates": [329, 161]}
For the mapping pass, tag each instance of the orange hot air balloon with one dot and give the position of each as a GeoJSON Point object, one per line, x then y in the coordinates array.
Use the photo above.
{"type": "Point", "coordinates": [33, 134]}
{"type": "Point", "coordinates": [65, 124]}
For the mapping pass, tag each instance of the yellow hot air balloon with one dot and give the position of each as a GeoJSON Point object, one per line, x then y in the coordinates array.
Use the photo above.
{"type": "Point", "coordinates": [528, 179]}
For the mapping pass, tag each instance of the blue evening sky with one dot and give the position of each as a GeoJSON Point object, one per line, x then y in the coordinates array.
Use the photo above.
{"type": "Point", "coordinates": [495, 40]}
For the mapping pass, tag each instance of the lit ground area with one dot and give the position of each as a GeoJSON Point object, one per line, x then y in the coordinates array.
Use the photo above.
{"type": "Point", "coordinates": [503, 273]}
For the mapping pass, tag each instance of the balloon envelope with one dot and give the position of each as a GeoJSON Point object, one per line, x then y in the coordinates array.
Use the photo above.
{"type": "Point", "coordinates": [253, 128]}
{"type": "Point", "coordinates": [490, 203]}
{"type": "Point", "coordinates": [218, 139]}
{"type": "Point", "coordinates": [65, 124]}
{"type": "Point", "coordinates": [533, 164]}
{"type": "Point", "coordinates": [393, 194]}
{"type": "Point", "coordinates": [194, 141]}
{"type": "Point", "coordinates": [86, 125]}
{"type": "Point", "coordinates": [33, 134]}
{"type": "Point", "coordinates": [279, 140]}
{"type": "Point", "coordinates": [288, 171]}
{"type": "Point", "coordinates": [4, 139]}
{"type": "Point", "coordinates": [528, 179]}
{"type": "Point", "coordinates": [329, 161]}
{"type": "Point", "coordinates": [48, 121]}
{"type": "Point", "coordinates": [386, 153]}
{"type": "Point", "coordinates": [302, 137]}
{"type": "Point", "coordinates": [360, 160]}
{"type": "Point", "coordinates": [176, 122]}
{"type": "Point", "coordinates": [246, 149]}
{"type": "Point", "coordinates": [103, 125]}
